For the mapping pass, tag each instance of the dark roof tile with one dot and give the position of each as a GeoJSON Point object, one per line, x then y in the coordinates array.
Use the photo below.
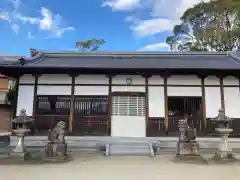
{"type": "Point", "coordinates": [133, 60]}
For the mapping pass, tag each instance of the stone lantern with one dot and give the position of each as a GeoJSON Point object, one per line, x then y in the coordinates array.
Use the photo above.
{"type": "Point", "coordinates": [223, 152]}
{"type": "Point", "coordinates": [21, 129]}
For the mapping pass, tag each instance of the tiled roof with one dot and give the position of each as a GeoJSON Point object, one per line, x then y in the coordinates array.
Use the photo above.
{"type": "Point", "coordinates": [128, 60]}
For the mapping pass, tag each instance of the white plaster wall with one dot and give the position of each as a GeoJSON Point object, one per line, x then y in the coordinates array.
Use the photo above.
{"type": "Point", "coordinates": [184, 91]}
{"type": "Point", "coordinates": [156, 102]}
{"type": "Point", "coordinates": [156, 80]}
{"type": "Point", "coordinates": [54, 90]}
{"type": "Point", "coordinates": [213, 101]}
{"type": "Point", "coordinates": [121, 79]}
{"type": "Point", "coordinates": [232, 102]}
{"type": "Point", "coordinates": [212, 80]}
{"type": "Point", "coordinates": [230, 80]}
{"type": "Point", "coordinates": [55, 79]}
{"type": "Point", "coordinates": [184, 80]}
{"type": "Point", "coordinates": [128, 88]}
{"type": "Point", "coordinates": [26, 79]}
{"type": "Point", "coordinates": [92, 79]}
{"type": "Point", "coordinates": [91, 90]}
{"type": "Point", "coordinates": [128, 126]}
{"type": "Point", "coordinates": [25, 99]}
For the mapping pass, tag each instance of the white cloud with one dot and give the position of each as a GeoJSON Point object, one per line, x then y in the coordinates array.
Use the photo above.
{"type": "Point", "coordinates": [172, 9]}
{"type": "Point", "coordinates": [162, 46]}
{"type": "Point", "coordinates": [152, 26]}
{"type": "Point", "coordinates": [4, 16]}
{"type": "Point", "coordinates": [30, 36]}
{"type": "Point", "coordinates": [15, 28]}
{"type": "Point", "coordinates": [163, 14]}
{"type": "Point", "coordinates": [52, 23]}
{"type": "Point", "coordinates": [122, 5]}
{"type": "Point", "coordinates": [47, 21]}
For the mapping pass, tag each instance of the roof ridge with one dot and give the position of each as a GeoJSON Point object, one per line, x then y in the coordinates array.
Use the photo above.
{"type": "Point", "coordinates": [119, 53]}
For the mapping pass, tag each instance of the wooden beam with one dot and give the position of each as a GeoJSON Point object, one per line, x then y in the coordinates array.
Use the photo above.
{"type": "Point", "coordinates": [165, 76]}
{"type": "Point", "coordinates": [203, 101]}
{"type": "Point", "coordinates": [110, 77]}
{"type": "Point", "coordinates": [16, 98]}
{"type": "Point", "coordinates": [71, 114]}
{"type": "Point", "coordinates": [222, 93]}
{"type": "Point", "coordinates": [36, 77]}
{"type": "Point", "coordinates": [146, 76]}
{"type": "Point", "coordinates": [166, 104]}
{"type": "Point", "coordinates": [17, 77]}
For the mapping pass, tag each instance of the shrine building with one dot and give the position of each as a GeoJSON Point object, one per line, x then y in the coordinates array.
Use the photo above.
{"type": "Point", "coordinates": [126, 94]}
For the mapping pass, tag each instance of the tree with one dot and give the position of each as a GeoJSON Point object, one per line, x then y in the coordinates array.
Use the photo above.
{"type": "Point", "coordinates": [209, 26]}
{"type": "Point", "coordinates": [171, 41]}
{"type": "Point", "coordinates": [90, 45]}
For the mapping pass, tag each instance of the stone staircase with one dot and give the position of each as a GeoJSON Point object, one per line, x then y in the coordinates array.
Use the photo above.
{"type": "Point", "coordinates": [129, 148]}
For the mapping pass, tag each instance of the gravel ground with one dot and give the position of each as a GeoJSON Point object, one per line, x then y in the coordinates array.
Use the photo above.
{"type": "Point", "coordinates": [92, 166]}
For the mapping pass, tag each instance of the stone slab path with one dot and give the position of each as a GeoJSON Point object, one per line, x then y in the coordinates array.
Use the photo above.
{"type": "Point", "coordinates": [92, 166]}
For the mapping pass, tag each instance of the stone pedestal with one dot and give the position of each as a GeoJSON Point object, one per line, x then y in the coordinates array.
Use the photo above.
{"type": "Point", "coordinates": [187, 148]}
{"type": "Point", "coordinates": [56, 151]}
{"type": "Point", "coordinates": [224, 153]}
{"type": "Point", "coordinates": [189, 152]}
{"type": "Point", "coordinates": [20, 151]}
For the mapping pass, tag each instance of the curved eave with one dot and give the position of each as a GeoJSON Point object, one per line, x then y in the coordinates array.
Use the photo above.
{"type": "Point", "coordinates": [13, 71]}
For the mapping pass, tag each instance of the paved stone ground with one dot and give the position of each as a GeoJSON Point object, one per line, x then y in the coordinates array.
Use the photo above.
{"type": "Point", "coordinates": [92, 166]}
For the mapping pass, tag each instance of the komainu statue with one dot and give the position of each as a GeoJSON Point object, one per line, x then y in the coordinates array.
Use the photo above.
{"type": "Point", "coordinates": [57, 134]}
{"type": "Point", "coordinates": [56, 146]}
{"type": "Point", "coordinates": [187, 144]}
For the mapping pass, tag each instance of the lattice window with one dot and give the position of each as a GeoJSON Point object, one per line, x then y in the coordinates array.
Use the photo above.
{"type": "Point", "coordinates": [91, 105]}
{"type": "Point", "coordinates": [50, 104]}
{"type": "Point", "coordinates": [128, 106]}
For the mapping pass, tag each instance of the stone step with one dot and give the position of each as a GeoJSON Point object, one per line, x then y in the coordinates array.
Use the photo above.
{"type": "Point", "coordinates": [95, 142]}
{"type": "Point", "coordinates": [129, 149]}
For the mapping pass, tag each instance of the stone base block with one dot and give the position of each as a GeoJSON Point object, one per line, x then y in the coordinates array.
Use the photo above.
{"type": "Point", "coordinates": [191, 159]}
{"type": "Point", "coordinates": [189, 148]}
{"type": "Point", "coordinates": [57, 159]}
{"type": "Point", "coordinates": [20, 156]}
{"type": "Point", "coordinates": [224, 157]}
{"type": "Point", "coordinates": [56, 150]}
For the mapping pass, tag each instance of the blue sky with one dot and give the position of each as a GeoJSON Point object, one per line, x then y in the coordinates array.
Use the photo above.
{"type": "Point", "coordinates": [126, 25]}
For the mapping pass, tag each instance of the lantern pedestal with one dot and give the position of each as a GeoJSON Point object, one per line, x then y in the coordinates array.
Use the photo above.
{"type": "Point", "coordinates": [19, 150]}
{"type": "Point", "coordinates": [224, 153]}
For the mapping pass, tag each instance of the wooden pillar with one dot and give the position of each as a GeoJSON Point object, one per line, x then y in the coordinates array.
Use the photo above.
{"type": "Point", "coordinates": [36, 76]}
{"type": "Point", "coordinates": [165, 77]}
{"type": "Point", "coordinates": [222, 92]}
{"type": "Point", "coordinates": [146, 76]}
{"type": "Point", "coordinates": [203, 101]}
{"type": "Point", "coordinates": [109, 124]}
{"type": "Point", "coordinates": [71, 114]}
{"type": "Point", "coordinates": [16, 96]}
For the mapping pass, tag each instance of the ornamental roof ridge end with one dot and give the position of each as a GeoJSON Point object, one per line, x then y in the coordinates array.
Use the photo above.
{"type": "Point", "coordinates": [38, 56]}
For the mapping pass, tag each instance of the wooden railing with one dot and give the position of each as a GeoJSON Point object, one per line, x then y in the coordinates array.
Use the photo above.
{"type": "Point", "coordinates": [82, 125]}
{"type": "Point", "coordinates": [91, 125]}
{"type": "Point", "coordinates": [156, 127]}
{"type": "Point", "coordinates": [43, 123]}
